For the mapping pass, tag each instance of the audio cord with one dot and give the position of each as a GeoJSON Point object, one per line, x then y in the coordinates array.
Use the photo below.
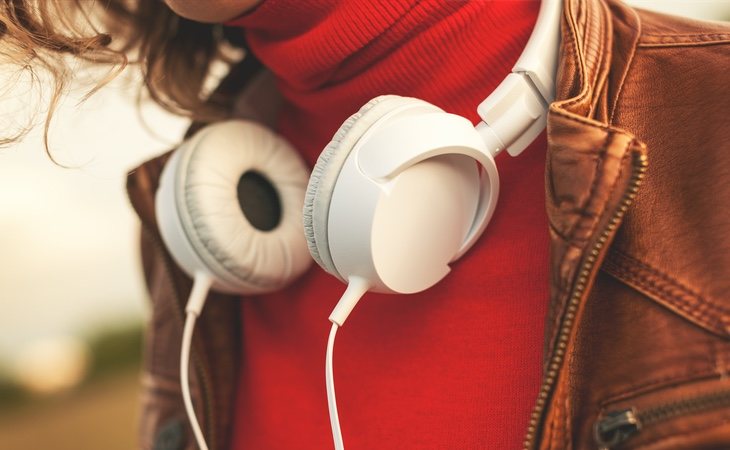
{"type": "Point", "coordinates": [201, 285]}
{"type": "Point", "coordinates": [356, 288]}
{"type": "Point", "coordinates": [331, 400]}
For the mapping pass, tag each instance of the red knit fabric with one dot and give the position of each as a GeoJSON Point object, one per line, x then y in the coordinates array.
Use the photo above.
{"type": "Point", "coordinates": [457, 366]}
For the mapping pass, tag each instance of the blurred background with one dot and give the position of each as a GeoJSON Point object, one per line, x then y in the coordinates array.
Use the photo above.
{"type": "Point", "coordinates": [71, 288]}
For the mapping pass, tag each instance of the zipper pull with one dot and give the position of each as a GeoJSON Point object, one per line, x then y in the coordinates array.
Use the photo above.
{"type": "Point", "coordinates": [615, 427]}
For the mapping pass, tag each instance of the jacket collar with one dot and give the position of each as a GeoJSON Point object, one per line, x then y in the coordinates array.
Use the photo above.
{"type": "Point", "coordinates": [588, 158]}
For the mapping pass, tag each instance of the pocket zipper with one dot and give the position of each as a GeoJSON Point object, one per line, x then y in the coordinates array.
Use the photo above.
{"type": "Point", "coordinates": [617, 426]}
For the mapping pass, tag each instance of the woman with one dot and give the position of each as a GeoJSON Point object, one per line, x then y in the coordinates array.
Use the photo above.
{"type": "Point", "coordinates": [466, 362]}
{"type": "Point", "coordinates": [458, 365]}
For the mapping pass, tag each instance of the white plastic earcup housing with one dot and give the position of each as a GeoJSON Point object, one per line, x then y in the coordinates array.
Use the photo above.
{"type": "Point", "coordinates": [407, 197]}
{"type": "Point", "coordinates": [421, 221]}
{"type": "Point", "coordinates": [201, 220]}
{"type": "Point", "coordinates": [327, 170]}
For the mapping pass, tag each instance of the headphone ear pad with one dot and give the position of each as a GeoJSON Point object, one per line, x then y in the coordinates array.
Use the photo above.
{"type": "Point", "coordinates": [203, 218]}
{"type": "Point", "coordinates": [328, 167]}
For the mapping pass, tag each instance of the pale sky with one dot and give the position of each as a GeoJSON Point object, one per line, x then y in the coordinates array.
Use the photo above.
{"type": "Point", "coordinates": [68, 236]}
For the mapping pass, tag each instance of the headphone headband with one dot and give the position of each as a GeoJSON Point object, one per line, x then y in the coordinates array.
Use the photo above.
{"type": "Point", "coordinates": [516, 111]}
{"type": "Point", "coordinates": [539, 60]}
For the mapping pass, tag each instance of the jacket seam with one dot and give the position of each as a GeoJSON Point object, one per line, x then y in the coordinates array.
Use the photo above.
{"type": "Point", "coordinates": [600, 161]}
{"type": "Point", "coordinates": [586, 84]}
{"type": "Point", "coordinates": [574, 50]}
{"type": "Point", "coordinates": [689, 35]}
{"type": "Point", "coordinates": [601, 74]}
{"type": "Point", "coordinates": [680, 304]}
{"type": "Point", "coordinates": [657, 384]}
{"type": "Point", "coordinates": [557, 109]}
{"type": "Point", "coordinates": [629, 66]}
{"type": "Point", "coordinates": [669, 280]}
{"type": "Point", "coordinates": [655, 288]}
{"type": "Point", "coordinates": [700, 316]}
{"type": "Point", "coordinates": [567, 434]}
{"type": "Point", "coordinates": [683, 44]}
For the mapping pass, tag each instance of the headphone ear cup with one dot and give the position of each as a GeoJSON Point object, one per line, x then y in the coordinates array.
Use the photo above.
{"type": "Point", "coordinates": [204, 200]}
{"type": "Point", "coordinates": [328, 167]}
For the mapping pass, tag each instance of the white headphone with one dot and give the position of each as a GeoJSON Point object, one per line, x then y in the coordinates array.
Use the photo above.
{"type": "Point", "coordinates": [359, 218]}
{"type": "Point", "coordinates": [204, 215]}
{"type": "Point", "coordinates": [393, 199]}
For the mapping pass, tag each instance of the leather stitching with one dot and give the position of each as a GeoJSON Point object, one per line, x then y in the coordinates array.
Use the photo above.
{"type": "Point", "coordinates": [682, 44]}
{"type": "Point", "coordinates": [603, 155]}
{"type": "Point", "coordinates": [550, 433]}
{"type": "Point", "coordinates": [670, 40]}
{"type": "Point", "coordinates": [579, 56]}
{"type": "Point", "coordinates": [677, 285]}
{"type": "Point", "coordinates": [555, 423]}
{"type": "Point", "coordinates": [587, 29]}
{"type": "Point", "coordinates": [661, 291]}
{"type": "Point", "coordinates": [697, 35]}
{"type": "Point", "coordinates": [557, 109]}
{"type": "Point", "coordinates": [688, 37]}
{"type": "Point", "coordinates": [669, 292]}
{"type": "Point", "coordinates": [646, 387]}
{"type": "Point", "coordinates": [619, 254]}
{"type": "Point", "coordinates": [602, 62]}
{"type": "Point", "coordinates": [587, 85]}
{"type": "Point", "coordinates": [599, 73]}
{"type": "Point", "coordinates": [629, 63]}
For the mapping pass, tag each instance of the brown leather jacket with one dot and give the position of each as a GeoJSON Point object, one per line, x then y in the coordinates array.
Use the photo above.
{"type": "Point", "coordinates": [637, 182]}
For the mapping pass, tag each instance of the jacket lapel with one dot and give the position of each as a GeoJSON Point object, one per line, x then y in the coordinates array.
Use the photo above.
{"type": "Point", "coordinates": [593, 171]}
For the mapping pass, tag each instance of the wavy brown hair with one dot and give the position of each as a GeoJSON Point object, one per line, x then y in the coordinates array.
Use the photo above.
{"type": "Point", "coordinates": [175, 54]}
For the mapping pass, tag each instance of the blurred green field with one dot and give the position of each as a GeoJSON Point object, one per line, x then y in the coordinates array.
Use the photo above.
{"type": "Point", "coordinates": [100, 415]}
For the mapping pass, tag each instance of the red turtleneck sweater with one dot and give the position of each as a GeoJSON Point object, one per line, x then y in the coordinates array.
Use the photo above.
{"type": "Point", "coordinates": [457, 366]}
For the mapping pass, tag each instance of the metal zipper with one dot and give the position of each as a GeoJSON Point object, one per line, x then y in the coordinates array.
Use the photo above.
{"type": "Point", "coordinates": [200, 371]}
{"type": "Point", "coordinates": [639, 163]}
{"type": "Point", "coordinates": [617, 426]}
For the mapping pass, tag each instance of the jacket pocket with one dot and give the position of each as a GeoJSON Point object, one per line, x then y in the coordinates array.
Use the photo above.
{"type": "Point", "coordinates": [691, 415]}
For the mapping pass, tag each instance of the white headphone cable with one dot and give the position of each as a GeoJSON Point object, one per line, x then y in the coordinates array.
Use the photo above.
{"type": "Point", "coordinates": [356, 288]}
{"type": "Point", "coordinates": [201, 285]}
{"type": "Point", "coordinates": [331, 400]}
